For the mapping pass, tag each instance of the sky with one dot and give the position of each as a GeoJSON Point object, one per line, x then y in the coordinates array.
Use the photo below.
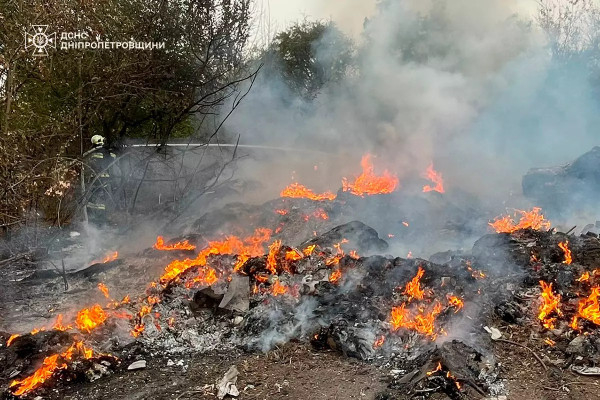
{"type": "Point", "coordinates": [349, 15]}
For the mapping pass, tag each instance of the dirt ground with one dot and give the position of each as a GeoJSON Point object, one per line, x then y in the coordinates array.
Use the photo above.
{"type": "Point", "coordinates": [526, 378]}
{"type": "Point", "coordinates": [298, 372]}
{"type": "Point", "coordinates": [292, 372]}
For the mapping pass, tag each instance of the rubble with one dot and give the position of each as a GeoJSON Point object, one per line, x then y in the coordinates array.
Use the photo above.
{"type": "Point", "coordinates": [421, 319]}
{"type": "Point", "coordinates": [226, 387]}
{"type": "Point", "coordinates": [140, 364]}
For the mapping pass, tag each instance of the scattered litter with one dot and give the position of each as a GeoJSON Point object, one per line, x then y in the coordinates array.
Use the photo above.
{"type": "Point", "coordinates": [141, 364]}
{"type": "Point", "coordinates": [227, 384]}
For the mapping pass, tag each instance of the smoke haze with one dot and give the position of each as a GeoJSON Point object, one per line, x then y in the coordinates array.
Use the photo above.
{"type": "Point", "coordinates": [469, 85]}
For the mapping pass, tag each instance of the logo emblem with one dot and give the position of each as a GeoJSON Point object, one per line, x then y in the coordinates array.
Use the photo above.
{"type": "Point", "coordinates": [39, 41]}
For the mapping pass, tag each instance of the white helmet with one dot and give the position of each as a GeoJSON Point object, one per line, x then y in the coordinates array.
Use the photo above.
{"type": "Point", "coordinates": [98, 140]}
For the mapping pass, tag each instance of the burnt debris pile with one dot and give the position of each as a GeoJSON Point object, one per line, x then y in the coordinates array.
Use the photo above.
{"type": "Point", "coordinates": [422, 320]}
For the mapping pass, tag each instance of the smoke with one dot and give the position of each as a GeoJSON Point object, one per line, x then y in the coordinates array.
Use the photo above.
{"type": "Point", "coordinates": [469, 85]}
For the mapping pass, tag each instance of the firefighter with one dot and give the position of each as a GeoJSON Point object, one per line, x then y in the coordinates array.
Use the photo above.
{"type": "Point", "coordinates": [100, 160]}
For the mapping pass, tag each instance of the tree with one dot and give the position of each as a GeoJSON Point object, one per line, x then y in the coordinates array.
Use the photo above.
{"type": "Point", "coordinates": [51, 106]}
{"type": "Point", "coordinates": [309, 56]}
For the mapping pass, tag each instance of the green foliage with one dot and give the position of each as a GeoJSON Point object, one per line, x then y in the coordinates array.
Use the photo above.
{"type": "Point", "coordinates": [51, 106]}
{"type": "Point", "coordinates": [308, 56]}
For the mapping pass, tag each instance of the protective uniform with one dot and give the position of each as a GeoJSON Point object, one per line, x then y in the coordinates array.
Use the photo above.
{"type": "Point", "coordinates": [99, 159]}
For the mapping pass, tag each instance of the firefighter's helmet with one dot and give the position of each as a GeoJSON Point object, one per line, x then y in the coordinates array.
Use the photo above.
{"type": "Point", "coordinates": [98, 140]}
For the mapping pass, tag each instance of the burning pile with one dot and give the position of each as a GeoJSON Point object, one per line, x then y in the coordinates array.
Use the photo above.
{"type": "Point", "coordinates": [333, 291]}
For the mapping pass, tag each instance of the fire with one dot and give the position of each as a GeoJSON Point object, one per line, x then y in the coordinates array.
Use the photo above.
{"type": "Point", "coordinates": [550, 304]}
{"type": "Point", "coordinates": [111, 257]}
{"type": "Point", "coordinates": [281, 211]}
{"type": "Point", "coordinates": [529, 219]}
{"type": "Point", "coordinates": [58, 324]}
{"type": "Point", "coordinates": [564, 246]}
{"type": "Point", "coordinates": [585, 277]}
{"type": "Point", "coordinates": [434, 177]}
{"type": "Point", "coordinates": [293, 255]}
{"type": "Point", "coordinates": [309, 250]}
{"type": "Point", "coordinates": [589, 308]}
{"type": "Point", "coordinates": [320, 214]}
{"type": "Point", "coordinates": [354, 254]}
{"type": "Point", "coordinates": [271, 260]}
{"type": "Point", "coordinates": [251, 246]}
{"type": "Point", "coordinates": [50, 365]}
{"type": "Point", "coordinates": [102, 287]}
{"type": "Point", "coordinates": [335, 275]}
{"type": "Point", "coordinates": [549, 342]}
{"type": "Point", "coordinates": [205, 276]}
{"type": "Point", "coordinates": [379, 342]}
{"type": "Point", "coordinates": [89, 318]}
{"type": "Point", "coordinates": [11, 339]}
{"type": "Point", "coordinates": [296, 190]}
{"type": "Point", "coordinates": [413, 288]}
{"type": "Point", "coordinates": [335, 259]}
{"type": "Point", "coordinates": [421, 321]}
{"type": "Point", "coordinates": [438, 368]}
{"type": "Point", "coordinates": [160, 245]}
{"type": "Point", "coordinates": [456, 302]}
{"type": "Point", "coordinates": [368, 183]}
{"type": "Point", "coordinates": [475, 273]}
{"type": "Point", "coordinates": [278, 289]}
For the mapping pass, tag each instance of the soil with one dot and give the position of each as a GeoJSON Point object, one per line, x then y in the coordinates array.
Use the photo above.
{"type": "Point", "coordinates": [298, 372]}
{"type": "Point", "coordinates": [527, 379]}
{"type": "Point", "coordinates": [294, 371]}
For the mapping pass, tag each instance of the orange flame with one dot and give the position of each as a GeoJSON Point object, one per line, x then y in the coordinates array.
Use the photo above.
{"type": "Point", "coordinates": [434, 177]}
{"type": "Point", "coordinates": [421, 321]}
{"type": "Point", "coordinates": [293, 255]}
{"type": "Point", "coordinates": [278, 289]}
{"type": "Point", "coordinates": [589, 308]}
{"type": "Point", "coordinates": [413, 288]}
{"type": "Point", "coordinates": [455, 302]}
{"type": "Point", "coordinates": [564, 246]}
{"type": "Point", "coordinates": [368, 183]}
{"type": "Point", "coordinates": [309, 250]}
{"type": "Point", "coordinates": [35, 331]}
{"type": "Point", "coordinates": [111, 257]}
{"type": "Point", "coordinates": [585, 277]}
{"type": "Point", "coordinates": [11, 339]}
{"type": "Point", "coordinates": [379, 342]}
{"type": "Point", "coordinates": [297, 191]}
{"type": "Point", "coordinates": [206, 276]}
{"type": "Point", "coordinates": [271, 257]}
{"type": "Point", "coordinates": [529, 219]}
{"type": "Point", "coordinates": [549, 342]}
{"type": "Point", "coordinates": [335, 260]}
{"type": "Point", "coordinates": [160, 245]}
{"type": "Point", "coordinates": [438, 368]}
{"type": "Point", "coordinates": [550, 304]}
{"type": "Point", "coordinates": [102, 287]}
{"type": "Point", "coordinates": [281, 211]}
{"type": "Point", "coordinates": [89, 318]}
{"type": "Point", "coordinates": [475, 273]}
{"type": "Point", "coordinates": [58, 324]}
{"type": "Point", "coordinates": [251, 246]}
{"type": "Point", "coordinates": [320, 214]}
{"type": "Point", "coordinates": [335, 275]}
{"type": "Point", "coordinates": [50, 365]}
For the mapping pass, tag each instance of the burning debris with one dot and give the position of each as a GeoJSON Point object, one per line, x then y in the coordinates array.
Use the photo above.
{"type": "Point", "coordinates": [335, 290]}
